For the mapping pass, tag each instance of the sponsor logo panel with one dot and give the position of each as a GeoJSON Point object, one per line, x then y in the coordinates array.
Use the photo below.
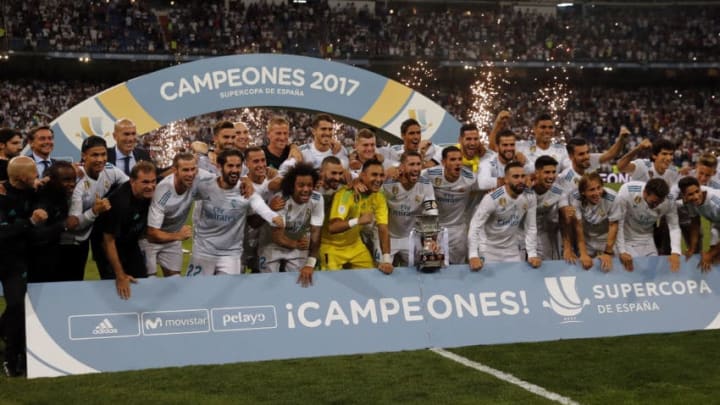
{"type": "Point", "coordinates": [103, 326]}
{"type": "Point", "coordinates": [244, 318]}
{"type": "Point", "coordinates": [175, 322]}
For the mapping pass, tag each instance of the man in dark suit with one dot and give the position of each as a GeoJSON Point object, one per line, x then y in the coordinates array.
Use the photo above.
{"type": "Point", "coordinates": [42, 142]}
{"type": "Point", "coordinates": [126, 154]}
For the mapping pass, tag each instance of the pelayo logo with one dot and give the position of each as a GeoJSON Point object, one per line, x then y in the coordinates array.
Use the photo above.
{"type": "Point", "coordinates": [564, 299]}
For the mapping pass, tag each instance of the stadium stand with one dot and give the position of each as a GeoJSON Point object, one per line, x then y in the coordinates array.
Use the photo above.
{"type": "Point", "coordinates": [449, 32]}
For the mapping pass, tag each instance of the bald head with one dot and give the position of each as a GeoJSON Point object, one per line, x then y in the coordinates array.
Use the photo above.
{"type": "Point", "coordinates": [124, 122]}
{"type": "Point", "coordinates": [125, 135]}
{"type": "Point", "coordinates": [22, 172]}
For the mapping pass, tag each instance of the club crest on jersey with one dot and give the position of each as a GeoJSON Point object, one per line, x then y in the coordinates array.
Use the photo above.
{"type": "Point", "coordinates": [533, 148]}
{"type": "Point", "coordinates": [638, 199]}
{"type": "Point", "coordinates": [107, 183]}
{"type": "Point", "coordinates": [502, 202]}
{"type": "Point", "coordinates": [438, 181]}
{"type": "Point", "coordinates": [395, 189]}
{"type": "Point", "coordinates": [418, 198]}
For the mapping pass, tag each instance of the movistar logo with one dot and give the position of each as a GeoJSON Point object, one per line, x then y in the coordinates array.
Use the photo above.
{"type": "Point", "coordinates": [153, 323]}
{"type": "Point", "coordinates": [564, 299]}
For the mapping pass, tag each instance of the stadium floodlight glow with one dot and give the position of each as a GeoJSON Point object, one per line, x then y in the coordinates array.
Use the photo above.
{"type": "Point", "coordinates": [565, 4]}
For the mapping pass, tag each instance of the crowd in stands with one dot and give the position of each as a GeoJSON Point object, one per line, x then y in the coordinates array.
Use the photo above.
{"type": "Point", "coordinates": [690, 117]}
{"type": "Point", "coordinates": [600, 33]}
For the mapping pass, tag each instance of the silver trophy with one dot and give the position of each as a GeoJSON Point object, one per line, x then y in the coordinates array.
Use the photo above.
{"type": "Point", "coordinates": [429, 257]}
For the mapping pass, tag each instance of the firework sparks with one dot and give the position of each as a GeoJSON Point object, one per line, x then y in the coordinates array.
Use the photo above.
{"type": "Point", "coordinates": [166, 141]}
{"type": "Point", "coordinates": [419, 77]}
{"type": "Point", "coordinates": [485, 92]}
{"type": "Point", "coordinates": [554, 96]}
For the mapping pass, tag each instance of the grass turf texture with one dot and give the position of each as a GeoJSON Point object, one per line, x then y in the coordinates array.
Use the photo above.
{"type": "Point", "coordinates": [667, 368]}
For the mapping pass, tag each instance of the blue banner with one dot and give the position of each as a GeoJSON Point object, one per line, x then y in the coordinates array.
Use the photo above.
{"type": "Point", "coordinates": [253, 80]}
{"type": "Point", "coordinates": [83, 327]}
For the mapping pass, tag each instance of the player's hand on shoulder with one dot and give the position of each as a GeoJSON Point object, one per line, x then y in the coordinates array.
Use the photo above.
{"type": "Point", "coordinates": [277, 203]}
{"type": "Point", "coordinates": [278, 222]}
{"type": "Point", "coordinates": [246, 187]}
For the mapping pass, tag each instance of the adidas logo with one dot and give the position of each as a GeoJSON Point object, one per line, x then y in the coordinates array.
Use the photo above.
{"type": "Point", "coordinates": [104, 328]}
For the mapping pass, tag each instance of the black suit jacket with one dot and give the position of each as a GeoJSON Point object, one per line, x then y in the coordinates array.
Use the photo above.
{"type": "Point", "coordinates": [138, 153]}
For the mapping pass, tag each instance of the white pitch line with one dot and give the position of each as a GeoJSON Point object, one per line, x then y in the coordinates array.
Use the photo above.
{"type": "Point", "coordinates": [535, 389]}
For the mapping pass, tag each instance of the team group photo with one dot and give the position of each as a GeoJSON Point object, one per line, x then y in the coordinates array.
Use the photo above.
{"type": "Point", "coordinates": [154, 144]}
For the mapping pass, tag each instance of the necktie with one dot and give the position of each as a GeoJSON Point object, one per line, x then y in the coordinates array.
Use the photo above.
{"type": "Point", "coordinates": [46, 164]}
{"type": "Point", "coordinates": [127, 165]}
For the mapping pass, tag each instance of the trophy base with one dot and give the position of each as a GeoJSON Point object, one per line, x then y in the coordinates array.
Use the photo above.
{"type": "Point", "coordinates": [431, 264]}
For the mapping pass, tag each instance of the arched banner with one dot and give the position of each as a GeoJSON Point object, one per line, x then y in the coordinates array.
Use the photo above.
{"type": "Point", "coordinates": [255, 80]}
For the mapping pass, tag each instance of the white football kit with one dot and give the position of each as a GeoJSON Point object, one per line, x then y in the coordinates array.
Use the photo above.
{"type": "Point", "coordinates": [454, 208]}
{"type": "Point", "coordinates": [636, 221]}
{"type": "Point", "coordinates": [595, 220]}
{"type": "Point", "coordinates": [299, 218]}
{"type": "Point", "coordinates": [168, 212]}
{"type": "Point", "coordinates": [219, 228]}
{"type": "Point", "coordinates": [403, 207]}
{"type": "Point", "coordinates": [496, 223]}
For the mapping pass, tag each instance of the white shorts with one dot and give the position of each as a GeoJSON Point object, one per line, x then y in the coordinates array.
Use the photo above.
{"type": "Point", "coordinates": [272, 257]}
{"type": "Point", "coordinates": [595, 246]}
{"type": "Point", "coordinates": [548, 244]}
{"type": "Point", "coordinates": [641, 248]}
{"type": "Point", "coordinates": [209, 266]}
{"type": "Point", "coordinates": [457, 244]}
{"type": "Point", "coordinates": [168, 255]}
{"type": "Point", "coordinates": [714, 235]}
{"type": "Point", "coordinates": [511, 254]}
{"type": "Point", "coordinates": [399, 251]}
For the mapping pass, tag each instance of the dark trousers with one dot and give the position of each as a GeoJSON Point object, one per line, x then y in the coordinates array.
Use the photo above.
{"type": "Point", "coordinates": [661, 237]}
{"type": "Point", "coordinates": [12, 277]}
{"type": "Point", "coordinates": [43, 266]}
{"type": "Point", "coordinates": [71, 265]}
{"type": "Point", "coordinates": [103, 266]}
